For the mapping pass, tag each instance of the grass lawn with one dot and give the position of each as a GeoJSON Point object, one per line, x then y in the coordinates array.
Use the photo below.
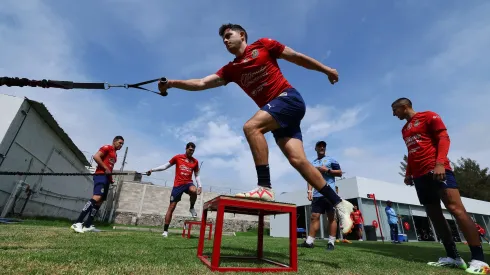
{"type": "Point", "coordinates": [50, 247]}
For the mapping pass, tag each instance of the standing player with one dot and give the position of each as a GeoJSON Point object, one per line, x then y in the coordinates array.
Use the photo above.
{"type": "Point", "coordinates": [185, 165]}
{"type": "Point", "coordinates": [392, 222]}
{"type": "Point", "coordinates": [428, 168]}
{"type": "Point", "coordinates": [330, 169]}
{"type": "Point", "coordinates": [256, 71]}
{"type": "Point", "coordinates": [106, 157]}
{"type": "Point", "coordinates": [356, 216]}
{"type": "Point", "coordinates": [481, 231]}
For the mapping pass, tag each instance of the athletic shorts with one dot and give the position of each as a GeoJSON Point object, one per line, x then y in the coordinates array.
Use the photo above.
{"type": "Point", "coordinates": [321, 205]}
{"type": "Point", "coordinates": [177, 191]}
{"type": "Point", "coordinates": [288, 109]}
{"type": "Point", "coordinates": [358, 225]}
{"type": "Point", "coordinates": [428, 189]}
{"type": "Point", "coordinates": [101, 186]}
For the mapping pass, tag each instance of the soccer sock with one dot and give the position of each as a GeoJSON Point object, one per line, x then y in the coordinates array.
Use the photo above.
{"type": "Point", "coordinates": [263, 175]}
{"type": "Point", "coordinates": [192, 204]}
{"type": "Point", "coordinates": [331, 239]}
{"type": "Point", "coordinates": [86, 209]}
{"type": "Point", "coordinates": [165, 227]}
{"type": "Point", "coordinates": [90, 218]}
{"type": "Point", "coordinates": [330, 195]}
{"type": "Point", "coordinates": [477, 253]}
{"type": "Point", "coordinates": [451, 250]}
{"type": "Point", "coordinates": [310, 240]}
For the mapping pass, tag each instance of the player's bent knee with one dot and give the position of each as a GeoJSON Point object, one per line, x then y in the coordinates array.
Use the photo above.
{"type": "Point", "coordinates": [298, 162]}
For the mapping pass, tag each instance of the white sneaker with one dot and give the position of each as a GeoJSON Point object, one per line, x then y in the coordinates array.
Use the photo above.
{"type": "Point", "coordinates": [344, 208]}
{"type": "Point", "coordinates": [260, 193]}
{"type": "Point", "coordinates": [449, 262]}
{"type": "Point", "coordinates": [165, 234]}
{"type": "Point", "coordinates": [478, 267]}
{"type": "Point", "coordinates": [193, 212]}
{"type": "Point", "coordinates": [77, 227]}
{"type": "Point", "coordinates": [90, 229]}
{"type": "Point", "coordinates": [361, 240]}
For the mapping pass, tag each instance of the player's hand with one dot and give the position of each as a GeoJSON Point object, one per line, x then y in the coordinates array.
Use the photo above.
{"type": "Point", "coordinates": [333, 76]}
{"type": "Point", "coordinates": [162, 87]}
{"type": "Point", "coordinates": [323, 169]}
{"type": "Point", "coordinates": [199, 191]}
{"type": "Point", "coordinates": [108, 171]}
{"type": "Point", "coordinates": [408, 180]}
{"type": "Point", "coordinates": [439, 172]}
{"type": "Point", "coordinates": [310, 196]}
{"type": "Point", "coordinates": [148, 173]}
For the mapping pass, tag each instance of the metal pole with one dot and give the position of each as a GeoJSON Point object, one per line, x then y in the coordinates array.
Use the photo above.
{"type": "Point", "coordinates": [379, 221]}
{"type": "Point", "coordinates": [119, 182]}
{"type": "Point", "coordinates": [202, 191]}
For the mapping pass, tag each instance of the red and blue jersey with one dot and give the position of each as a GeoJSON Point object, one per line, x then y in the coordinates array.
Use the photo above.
{"type": "Point", "coordinates": [184, 167]}
{"type": "Point", "coordinates": [109, 158]}
{"type": "Point", "coordinates": [256, 71]}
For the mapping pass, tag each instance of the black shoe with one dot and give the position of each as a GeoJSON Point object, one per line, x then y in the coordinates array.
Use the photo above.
{"type": "Point", "coordinates": [305, 244]}
{"type": "Point", "coordinates": [330, 246]}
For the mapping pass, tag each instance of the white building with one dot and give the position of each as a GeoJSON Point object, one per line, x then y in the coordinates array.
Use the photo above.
{"type": "Point", "coordinates": [32, 141]}
{"type": "Point", "coordinates": [405, 203]}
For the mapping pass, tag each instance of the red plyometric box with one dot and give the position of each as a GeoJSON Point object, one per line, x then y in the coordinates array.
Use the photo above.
{"type": "Point", "coordinates": [228, 204]}
{"type": "Point", "coordinates": [190, 223]}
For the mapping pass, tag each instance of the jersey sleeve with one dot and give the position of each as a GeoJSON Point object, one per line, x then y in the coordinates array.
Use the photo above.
{"type": "Point", "coordinates": [334, 164]}
{"type": "Point", "coordinates": [105, 149]}
{"type": "Point", "coordinates": [274, 47]}
{"type": "Point", "coordinates": [224, 73]}
{"type": "Point", "coordinates": [173, 160]}
{"type": "Point", "coordinates": [435, 123]}
{"type": "Point", "coordinates": [196, 168]}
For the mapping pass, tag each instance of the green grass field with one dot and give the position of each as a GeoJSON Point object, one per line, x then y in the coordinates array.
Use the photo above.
{"type": "Point", "coordinates": [50, 247]}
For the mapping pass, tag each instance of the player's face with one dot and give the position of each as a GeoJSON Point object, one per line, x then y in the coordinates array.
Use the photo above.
{"type": "Point", "coordinates": [399, 111]}
{"type": "Point", "coordinates": [118, 144]}
{"type": "Point", "coordinates": [355, 207]}
{"type": "Point", "coordinates": [320, 149]}
{"type": "Point", "coordinates": [232, 40]}
{"type": "Point", "coordinates": [189, 151]}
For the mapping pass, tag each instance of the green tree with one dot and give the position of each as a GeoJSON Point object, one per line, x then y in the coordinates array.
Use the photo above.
{"type": "Point", "coordinates": [473, 181]}
{"type": "Point", "coordinates": [403, 166]}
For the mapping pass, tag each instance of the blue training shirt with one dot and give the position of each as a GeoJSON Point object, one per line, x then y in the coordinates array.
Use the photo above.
{"type": "Point", "coordinates": [391, 214]}
{"type": "Point", "coordinates": [330, 163]}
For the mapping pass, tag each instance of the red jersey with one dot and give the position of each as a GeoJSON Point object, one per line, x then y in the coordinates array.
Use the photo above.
{"type": "Point", "coordinates": [257, 71]}
{"type": "Point", "coordinates": [480, 229]}
{"type": "Point", "coordinates": [420, 137]}
{"type": "Point", "coordinates": [109, 158]}
{"type": "Point", "coordinates": [184, 168]}
{"type": "Point", "coordinates": [356, 216]}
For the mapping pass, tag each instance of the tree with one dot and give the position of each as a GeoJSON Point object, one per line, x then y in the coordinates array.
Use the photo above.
{"type": "Point", "coordinates": [473, 181]}
{"type": "Point", "coordinates": [403, 166]}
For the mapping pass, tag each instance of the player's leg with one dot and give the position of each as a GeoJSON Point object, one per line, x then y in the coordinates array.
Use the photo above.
{"type": "Point", "coordinates": [332, 228]}
{"type": "Point", "coordinates": [359, 231]}
{"type": "Point", "coordinates": [451, 198]}
{"type": "Point", "coordinates": [317, 209]}
{"type": "Point", "coordinates": [428, 193]}
{"type": "Point", "coordinates": [175, 197]}
{"type": "Point", "coordinates": [294, 151]}
{"type": "Point", "coordinates": [192, 192]}
{"type": "Point", "coordinates": [104, 191]}
{"type": "Point", "coordinates": [87, 208]}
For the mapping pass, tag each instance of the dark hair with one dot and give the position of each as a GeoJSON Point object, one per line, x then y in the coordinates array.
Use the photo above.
{"type": "Point", "coordinates": [190, 144]}
{"type": "Point", "coordinates": [118, 137]}
{"type": "Point", "coordinates": [402, 101]}
{"type": "Point", "coordinates": [233, 27]}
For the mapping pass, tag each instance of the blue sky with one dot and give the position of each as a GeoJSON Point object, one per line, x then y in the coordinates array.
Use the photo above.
{"type": "Point", "coordinates": [434, 52]}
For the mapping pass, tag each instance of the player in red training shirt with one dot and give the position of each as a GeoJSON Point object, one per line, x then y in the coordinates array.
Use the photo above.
{"type": "Point", "coordinates": [255, 69]}
{"type": "Point", "coordinates": [481, 231]}
{"type": "Point", "coordinates": [356, 216]}
{"type": "Point", "coordinates": [428, 169]}
{"type": "Point", "coordinates": [185, 165]}
{"type": "Point", "coordinates": [105, 158]}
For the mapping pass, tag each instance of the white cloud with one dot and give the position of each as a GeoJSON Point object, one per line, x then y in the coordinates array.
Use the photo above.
{"type": "Point", "coordinates": [353, 152]}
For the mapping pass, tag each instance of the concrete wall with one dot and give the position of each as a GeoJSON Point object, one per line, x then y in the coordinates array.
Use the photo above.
{"type": "Point", "coordinates": [30, 145]}
{"type": "Point", "coordinates": [149, 204]}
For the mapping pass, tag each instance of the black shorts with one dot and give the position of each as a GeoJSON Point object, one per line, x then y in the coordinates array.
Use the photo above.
{"type": "Point", "coordinates": [321, 205]}
{"type": "Point", "coordinates": [177, 191]}
{"type": "Point", "coordinates": [357, 226]}
{"type": "Point", "coordinates": [428, 189]}
{"type": "Point", "coordinates": [101, 186]}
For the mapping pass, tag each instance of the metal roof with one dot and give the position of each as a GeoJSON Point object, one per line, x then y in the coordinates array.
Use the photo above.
{"type": "Point", "coordinates": [49, 119]}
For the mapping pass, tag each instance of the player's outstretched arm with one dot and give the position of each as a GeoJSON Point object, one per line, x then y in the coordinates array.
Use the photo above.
{"type": "Point", "coordinates": [309, 63]}
{"type": "Point", "coordinates": [208, 82]}
{"type": "Point", "coordinates": [159, 168]}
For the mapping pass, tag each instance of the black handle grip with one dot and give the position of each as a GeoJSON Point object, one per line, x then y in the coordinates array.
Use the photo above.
{"type": "Point", "coordinates": [163, 80]}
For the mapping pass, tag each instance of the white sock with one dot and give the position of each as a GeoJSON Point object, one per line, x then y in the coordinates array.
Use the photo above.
{"type": "Point", "coordinates": [331, 239]}
{"type": "Point", "coordinates": [310, 240]}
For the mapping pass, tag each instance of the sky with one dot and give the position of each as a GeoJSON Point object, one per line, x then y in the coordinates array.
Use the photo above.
{"type": "Point", "coordinates": [433, 52]}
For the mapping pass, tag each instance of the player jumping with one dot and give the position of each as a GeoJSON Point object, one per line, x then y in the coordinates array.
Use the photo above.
{"type": "Point", "coordinates": [428, 168]}
{"type": "Point", "coordinates": [106, 157]}
{"type": "Point", "coordinates": [256, 71]}
{"type": "Point", "coordinates": [185, 165]}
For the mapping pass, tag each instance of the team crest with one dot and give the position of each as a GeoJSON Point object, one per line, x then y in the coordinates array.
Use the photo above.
{"type": "Point", "coordinates": [416, 123]}
{"type": "Point", "coordinates": [102, 190]}
{"type": "Point", "coordinates": [255, 53]}
{"type": "Point", "coordinates": [409, 126]}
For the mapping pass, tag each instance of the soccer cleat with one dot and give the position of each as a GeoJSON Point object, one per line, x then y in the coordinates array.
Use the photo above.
{"type": "Point", "coordinates": [165, 234]}
{"type": "Point", "coordinates": [450, 262]}
{"type": "Point", "coordinates": [259, 193]}
{"type": "Point", "coordinates": [330, 246]}
{"type": "Point", "coordinates": [90, 229]}
{"type": "Point", "coordinates": [305, 244]}
{"type": "Point", "coordinates": [193, 212]}
{"type": "Point", "coordinates": [344, 208]}
{"type": "Point", "coordinates": [478, 267]}
{"type": "Point", "coordinates": [346, 241]}
{"type": "Point", "coordinates": [77, 227]}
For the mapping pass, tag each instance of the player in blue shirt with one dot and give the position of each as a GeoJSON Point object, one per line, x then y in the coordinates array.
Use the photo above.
{"type": "Point", "coordinates": [330, 168]}
{"type": "Point", "coordinates": [392, 221]}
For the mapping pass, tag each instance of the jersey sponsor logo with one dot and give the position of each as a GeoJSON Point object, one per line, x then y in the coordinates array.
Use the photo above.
{"type": "Point", "coordinates": [250, 78]}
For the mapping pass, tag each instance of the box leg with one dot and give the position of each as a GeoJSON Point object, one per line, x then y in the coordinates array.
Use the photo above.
{"type": "Point", "coordinates": [218, 233]}
{"type": "Point", "coordinates": [260, 239]}
{"type": "Point", "coordinates": [189, 231]}
{"type": "Point", "coordinates": [200, 246]}
{"type": "Point", "coordinates": [293, 252]}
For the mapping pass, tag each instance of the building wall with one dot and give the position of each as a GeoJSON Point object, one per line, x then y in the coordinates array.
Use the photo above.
{"type": "Point", "coordinates": [30, 145]}
{"type": "Point", "coordinates": [9, 107]}
{"type": "Point", "coordinates": [147, 205]}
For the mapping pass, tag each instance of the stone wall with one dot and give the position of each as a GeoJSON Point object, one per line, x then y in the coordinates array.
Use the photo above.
{"type": "Point", "coordinates": [144, 204]}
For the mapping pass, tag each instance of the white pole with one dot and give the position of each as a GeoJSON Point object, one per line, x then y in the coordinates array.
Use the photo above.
{"type": "Point", "coordinates": [202, 192]}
